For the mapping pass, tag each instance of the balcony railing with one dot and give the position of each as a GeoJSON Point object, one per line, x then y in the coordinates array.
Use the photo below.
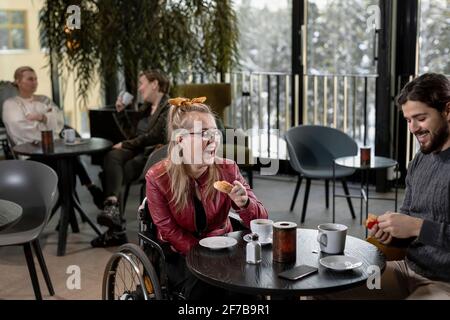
{"type": "Point", "coordinates": [266, 104]}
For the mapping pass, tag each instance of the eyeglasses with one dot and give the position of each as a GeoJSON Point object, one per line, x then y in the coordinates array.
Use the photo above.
{"type": "Point", "coordinates": [208, 134]}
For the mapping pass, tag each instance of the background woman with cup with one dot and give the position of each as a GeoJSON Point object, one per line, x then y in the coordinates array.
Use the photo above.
{"type": "Point", "coordinates": [126, 161]}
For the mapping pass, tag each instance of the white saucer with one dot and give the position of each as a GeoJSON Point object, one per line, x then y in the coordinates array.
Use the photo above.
{"type": "Point", "coordinates": [77, 142]}
{"type": "Point", "coordinates": [340, 263]}
{"type": "Point", "coordinates": [217, 243]}
{"type": "Point", "coordinates": [263, 243]}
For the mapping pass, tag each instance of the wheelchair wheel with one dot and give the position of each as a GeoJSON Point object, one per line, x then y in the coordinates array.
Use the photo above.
{"type": "Point", "coordinates": [129, 275]}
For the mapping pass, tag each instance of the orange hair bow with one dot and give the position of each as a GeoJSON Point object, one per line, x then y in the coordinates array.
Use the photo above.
{"type": "Point", "coordinates": [185, 102]}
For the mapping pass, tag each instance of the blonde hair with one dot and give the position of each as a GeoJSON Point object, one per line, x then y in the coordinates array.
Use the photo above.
{"type": "Point", "coordinates": [19, 73]}
{"type": "Point", "coordinates": [179, 178]}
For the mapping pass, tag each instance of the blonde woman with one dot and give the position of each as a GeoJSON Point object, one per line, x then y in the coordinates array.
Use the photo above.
{"type": "Point", "coordinates": [183, 203]}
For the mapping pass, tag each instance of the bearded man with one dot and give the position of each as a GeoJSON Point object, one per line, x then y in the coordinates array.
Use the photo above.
{"type": "Point", "coordinates": [423, 223]}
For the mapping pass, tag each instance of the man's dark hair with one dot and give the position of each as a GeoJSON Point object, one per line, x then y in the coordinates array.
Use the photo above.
{"type": "Point", "coordinates": [430, 88]}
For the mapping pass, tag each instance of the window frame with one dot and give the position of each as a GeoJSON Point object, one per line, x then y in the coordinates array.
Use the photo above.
{"type": "Point", "coordinates": [9, 26]}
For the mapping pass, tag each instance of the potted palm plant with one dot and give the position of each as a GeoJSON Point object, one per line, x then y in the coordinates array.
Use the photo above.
{"type": "Point", "coordinates": [126, 36]}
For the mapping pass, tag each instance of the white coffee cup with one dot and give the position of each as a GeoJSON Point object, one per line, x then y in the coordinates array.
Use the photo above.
{"type": "Point", "coordinates": [264, 229]}
{"type": "Point", "coordinates": [126, 97]}
{"type": "Point", "coordinates": [69, 135]}
{"type": "Point", "coordinates": [332, 237]}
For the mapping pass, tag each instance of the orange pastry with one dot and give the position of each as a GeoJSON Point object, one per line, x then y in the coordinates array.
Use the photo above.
{"type": "Point", "coordinates": [371, 221]}
{"type": "Point", "coordinates": [223, 186]}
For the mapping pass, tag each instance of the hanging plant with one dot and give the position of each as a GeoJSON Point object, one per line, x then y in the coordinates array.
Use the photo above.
{"type": "Point", "coordinates": [130, 35]}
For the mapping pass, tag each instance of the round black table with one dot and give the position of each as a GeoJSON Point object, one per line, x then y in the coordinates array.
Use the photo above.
{"type": "Point", "coordinates": [354, 162]}
{"type": "Point", "coordinates": [227, 268]}
{"type": "Point", "coordinates": [64, 156]}
{"type": "Point", "coordinates": [10, 213]}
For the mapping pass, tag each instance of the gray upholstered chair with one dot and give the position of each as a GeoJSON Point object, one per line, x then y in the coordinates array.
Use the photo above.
{"type": "Point", "coordinates": [312, 150]}
{"type": "Point", "coordinates": [7, 90]}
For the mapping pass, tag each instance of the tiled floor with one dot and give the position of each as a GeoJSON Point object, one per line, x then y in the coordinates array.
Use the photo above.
{"type": "Point", "coordinates": [275, 193]}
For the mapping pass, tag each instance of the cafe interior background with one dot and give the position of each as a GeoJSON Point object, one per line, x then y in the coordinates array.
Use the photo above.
{"type": "Point", "coordinates": [287, 63]}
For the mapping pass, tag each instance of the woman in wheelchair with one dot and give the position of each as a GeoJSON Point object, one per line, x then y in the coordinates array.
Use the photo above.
{"type": "Point", "coordinates": [182, 202]}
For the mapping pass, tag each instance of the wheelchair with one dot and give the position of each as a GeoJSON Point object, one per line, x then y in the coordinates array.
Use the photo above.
{"type": "Point", "coordinates": [139, 272]}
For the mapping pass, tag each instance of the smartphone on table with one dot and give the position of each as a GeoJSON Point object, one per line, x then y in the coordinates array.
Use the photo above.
{"type": "Point", "coordinates": [298, 272]}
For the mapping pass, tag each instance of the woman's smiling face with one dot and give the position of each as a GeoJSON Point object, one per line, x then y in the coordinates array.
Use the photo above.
{"type": "Point", "coordinates": [201, 141]}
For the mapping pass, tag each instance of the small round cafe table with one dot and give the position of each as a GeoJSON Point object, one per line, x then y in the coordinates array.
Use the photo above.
{"type": "Point", "coordinates": [10, 213]}
{"type": "Point", "coordinates": [227, 268]}
{"type": "Point", "coordinates": [65, 155]}
{"type": "Point", "coordinates": [376, 163]}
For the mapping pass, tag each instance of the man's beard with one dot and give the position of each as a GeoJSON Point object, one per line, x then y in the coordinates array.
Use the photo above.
{"type": "Point", "coordinates": [437, 139]}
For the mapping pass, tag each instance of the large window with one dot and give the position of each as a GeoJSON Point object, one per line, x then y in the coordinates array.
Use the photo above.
{"type": "Point", "coordinates": [341, 66]}
{"type": "Point", "coordinates": [12, 30]}
{"type": "Point", "coordinates": [434, 36]}
{"type": "Point", "coordinates": [261, 81]}
{"type": "Point", "coordinates": [341, 36]}
{"type": "Point", "coordinates": [265, 34]}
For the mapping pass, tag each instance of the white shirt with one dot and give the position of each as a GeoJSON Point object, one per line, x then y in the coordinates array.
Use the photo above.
{"type": "Point", "coordinates": [21, 130]}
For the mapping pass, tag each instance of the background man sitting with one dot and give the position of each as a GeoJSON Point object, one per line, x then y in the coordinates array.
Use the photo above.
{"type": "Point", "coordinates": [27, 114]}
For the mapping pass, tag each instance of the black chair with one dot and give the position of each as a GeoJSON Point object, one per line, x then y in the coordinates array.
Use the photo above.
{"type": "Point", "coordinates": [33, 186]}
{"type": "Point", "coordinates": [153, 158]}
{"type": "Point", "coordinates": [7, 90]}
{"type": "Point", "coordinates": [103, 124]}
{"type": "Point", "coordinates": [312, 150]}
{"type": "Point", "coordinates": [10, 147]}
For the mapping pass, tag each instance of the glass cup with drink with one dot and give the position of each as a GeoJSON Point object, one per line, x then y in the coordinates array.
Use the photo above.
{"type": "Point", "coordinates": [47, 141]}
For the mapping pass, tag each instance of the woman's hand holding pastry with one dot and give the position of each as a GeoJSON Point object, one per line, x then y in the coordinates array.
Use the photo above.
{"type": "Point", "coordinates": [239, 194]}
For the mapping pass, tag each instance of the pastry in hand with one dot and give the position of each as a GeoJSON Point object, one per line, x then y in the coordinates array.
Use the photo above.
{"type": "Point", "coordinates": [223, 186]}
{"type": "Point", "coordinates": [371, 221]}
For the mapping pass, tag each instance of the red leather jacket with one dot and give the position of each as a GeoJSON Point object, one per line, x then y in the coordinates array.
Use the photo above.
{"type": "Point", "coordinates": [179, 228]}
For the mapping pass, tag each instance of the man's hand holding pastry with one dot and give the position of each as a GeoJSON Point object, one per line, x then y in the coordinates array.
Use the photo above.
{"type": "Point", "coordinates": [393, 225]}
{"type": "Point", "coordinates": [380, 235]}
{"type": "Point", "coordinates": [400, 225]}
{"type": "Point", "coordinates": [375, 231]}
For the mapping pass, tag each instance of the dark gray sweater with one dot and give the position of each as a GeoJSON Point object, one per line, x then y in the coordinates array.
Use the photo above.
{"type": "Point", "coordinates": [428, 197]}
